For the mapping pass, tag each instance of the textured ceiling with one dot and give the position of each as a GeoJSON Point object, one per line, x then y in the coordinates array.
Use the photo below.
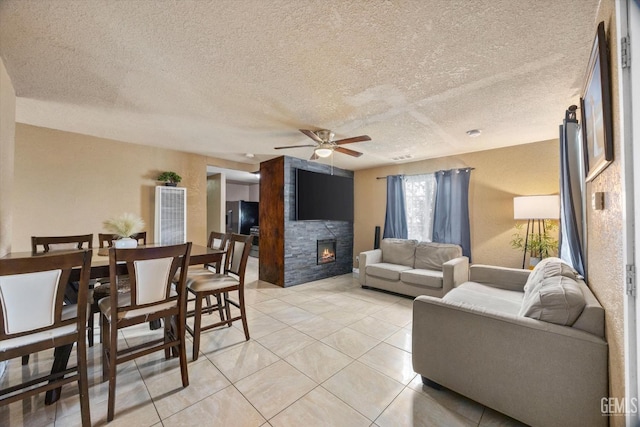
{"type": "Point", "coordinates": [225, 78]}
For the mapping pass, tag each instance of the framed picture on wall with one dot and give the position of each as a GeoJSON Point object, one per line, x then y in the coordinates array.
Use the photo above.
{"type": "Point", "coordinates": [595, 104]}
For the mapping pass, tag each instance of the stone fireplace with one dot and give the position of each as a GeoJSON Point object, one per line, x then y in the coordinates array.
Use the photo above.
{"type": "Point", "coordinates": [289, 248]}
{"type": "Point", "coordinates": [326, 251]}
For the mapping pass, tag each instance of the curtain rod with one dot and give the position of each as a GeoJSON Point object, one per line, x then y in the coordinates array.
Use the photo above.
{"type": "Point", "coordinates": [415, 174]}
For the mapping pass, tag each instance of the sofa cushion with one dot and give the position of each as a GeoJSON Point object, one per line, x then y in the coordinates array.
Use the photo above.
{"type": "Point", "coordinates": [495, 292]}
{"type": "Point", "coordinates": [486, 297]}
{"type": "Point", "coordinates": [386, 271]}
{"type": "Point", "coordinates": [556, 299]}
{"type": "Point", "coordinates": [431, 256]}
{"type": "Point", "coordinates": [428, 278]}
{"type": "Point", "coordinates": [549, 267]}
{"type": "Point", "coordinates": [398, 251]}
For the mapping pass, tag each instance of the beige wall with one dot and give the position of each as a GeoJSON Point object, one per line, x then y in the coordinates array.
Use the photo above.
{"type": "Point", "coordinates": [604, 229]}
{"type": "Point", "coordinates": [246, 192]}
{"type": "Point", "coordinates": [7, 144]}
{"type": "Point", "coordinates": [499, 175]}
{"type": "Point", "coordinates": [67, 183]}
{"type": "Point", "coordinates": [216, 195]}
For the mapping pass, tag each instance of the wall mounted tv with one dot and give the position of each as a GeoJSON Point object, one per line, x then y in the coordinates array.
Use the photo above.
{"type": "Point", "coordinates": [323, 197]}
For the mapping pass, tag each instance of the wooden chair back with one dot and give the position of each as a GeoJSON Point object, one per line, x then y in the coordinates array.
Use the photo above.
{"type": "Point", "coordinates": [150, 273]}
{"type": "Point", "coordinates": [56, 243]}
{"type": "Point", "coordinates": [218, 240]}
{"type": "Point", "coordinates": [105, 240]}
{"type": "Point", "coordinates": [238, 255]}
{"type": "Point", "coordinates": [141, 237]}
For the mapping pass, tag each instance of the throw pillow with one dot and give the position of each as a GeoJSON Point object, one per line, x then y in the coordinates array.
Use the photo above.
{"type": "Point", "coordinates": [431, 256]}
{"type": "Point", "coordinates": [398, 251]}
{"type": "Point", "coordinates": [556, 299]}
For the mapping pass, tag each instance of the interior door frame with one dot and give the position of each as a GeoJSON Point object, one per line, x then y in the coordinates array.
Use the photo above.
{"type": "Point", "coordinates": [628, 24]}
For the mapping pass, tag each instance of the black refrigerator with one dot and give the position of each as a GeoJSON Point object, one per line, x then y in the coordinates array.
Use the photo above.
{"type": "Point", "coordinates": [241, 216]}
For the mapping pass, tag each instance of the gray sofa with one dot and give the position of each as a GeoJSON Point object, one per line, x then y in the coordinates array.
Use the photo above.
{"type": "Point", "coordinates": [413, 268]}
{"type": "Point", "coordinates": [536, 353]}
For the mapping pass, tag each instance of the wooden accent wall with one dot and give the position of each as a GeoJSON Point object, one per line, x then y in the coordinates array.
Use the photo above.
{"type": "Point", "coordinates": [271, 260]}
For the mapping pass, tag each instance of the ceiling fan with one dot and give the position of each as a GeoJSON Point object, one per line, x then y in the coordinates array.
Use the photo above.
{"type": "Point", "coordinates": [325, 145]}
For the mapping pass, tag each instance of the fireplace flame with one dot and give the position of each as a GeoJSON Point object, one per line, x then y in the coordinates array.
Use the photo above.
{"type": "Point", "coordinates": [326, 251]}
{"type": "Point", "coordinates": [327, 254]}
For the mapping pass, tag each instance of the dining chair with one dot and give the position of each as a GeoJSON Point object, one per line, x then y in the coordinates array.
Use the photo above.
{"type": "Point", "coordinates": [152, 296]}
{"type": "Point", "coordinates": [45, 244]}
{"type": "Point", "coordinates": [101, 287]}
{"type": "Point", "coordinates": [33, 318]}
{"type": "Point", "coordinates": [202, 282]}
{"type": "Point", "coordinates": [57, 243]}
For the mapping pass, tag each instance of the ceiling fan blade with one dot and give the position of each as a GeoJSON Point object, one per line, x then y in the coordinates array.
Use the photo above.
{"type": "Point", "coordinates": [354, 139]}
{"type": "Point", "coordinates": [314, 156]}
{"type": "Point", "coordinates": [311, 135]}
{"type": "Point", "coordinates": [347, 151]}
{"type": "Point", "coordinates": [294, 146]}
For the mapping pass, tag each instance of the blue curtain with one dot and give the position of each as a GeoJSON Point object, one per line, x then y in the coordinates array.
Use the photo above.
{"type": "Point", "coordinates": [395, 221]}
{"type": "Point", "coordinates": [571, 178]}
{"type": "Point", "coordinates": [451, 212]}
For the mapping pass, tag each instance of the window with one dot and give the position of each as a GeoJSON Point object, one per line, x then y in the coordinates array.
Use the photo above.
{"type": "Point", "coordinates": [420, 197]}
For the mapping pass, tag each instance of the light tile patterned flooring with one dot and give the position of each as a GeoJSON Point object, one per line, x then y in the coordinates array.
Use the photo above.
{"type": "Point", "coordinates": [326, 353]}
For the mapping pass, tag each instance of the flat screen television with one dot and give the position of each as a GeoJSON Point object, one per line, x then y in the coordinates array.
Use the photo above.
{"type": "Point", "coordinates": [323, 197]}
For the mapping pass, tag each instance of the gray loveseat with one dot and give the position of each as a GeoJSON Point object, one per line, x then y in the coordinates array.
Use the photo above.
{"type": "Point", "coordinates": [413, 268]}
{"type": "Point", "coordinates": [538, 355]}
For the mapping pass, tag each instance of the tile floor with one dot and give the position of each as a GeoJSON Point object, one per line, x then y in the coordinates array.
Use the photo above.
{"type": "Point", "coordinates": [326, 353]}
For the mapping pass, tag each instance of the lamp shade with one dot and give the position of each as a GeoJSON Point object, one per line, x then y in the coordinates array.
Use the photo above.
{"type": "Point", "coordinates": [323, 152]}
{"type": "Point", "coordinates": [536, 207]}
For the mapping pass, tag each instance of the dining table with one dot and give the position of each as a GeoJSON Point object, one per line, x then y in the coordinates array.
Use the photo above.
{"type": "Point", "coordinates": [200, 254]}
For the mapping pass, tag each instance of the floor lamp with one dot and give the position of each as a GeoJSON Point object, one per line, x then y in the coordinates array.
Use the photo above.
{"type": "Point", "coordinates": [535, 208]}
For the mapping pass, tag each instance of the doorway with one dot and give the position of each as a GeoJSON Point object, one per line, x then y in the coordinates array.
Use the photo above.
{"type": "Point", "coordinates": [232, 202]}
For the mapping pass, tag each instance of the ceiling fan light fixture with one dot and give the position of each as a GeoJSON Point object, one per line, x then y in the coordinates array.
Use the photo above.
{"type": "Point", "coordinates": [324, 145]}
{"type": "Point", "coordinates": [323, 152]}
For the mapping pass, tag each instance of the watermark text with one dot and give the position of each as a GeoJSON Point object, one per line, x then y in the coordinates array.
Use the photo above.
{"type": "Point", "coordinates": [615, 406]}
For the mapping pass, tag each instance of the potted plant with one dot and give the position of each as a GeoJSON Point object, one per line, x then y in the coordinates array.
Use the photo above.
{"type": "Point", "coordinates": [123, 227]}
{"type": "Point", "coordinates": [540, 244]}
{"type": "Point", "coordinates": [170, 179]}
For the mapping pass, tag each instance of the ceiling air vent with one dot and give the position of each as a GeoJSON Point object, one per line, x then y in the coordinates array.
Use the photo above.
{"type": "Point", "coordinates": [403, 157]}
